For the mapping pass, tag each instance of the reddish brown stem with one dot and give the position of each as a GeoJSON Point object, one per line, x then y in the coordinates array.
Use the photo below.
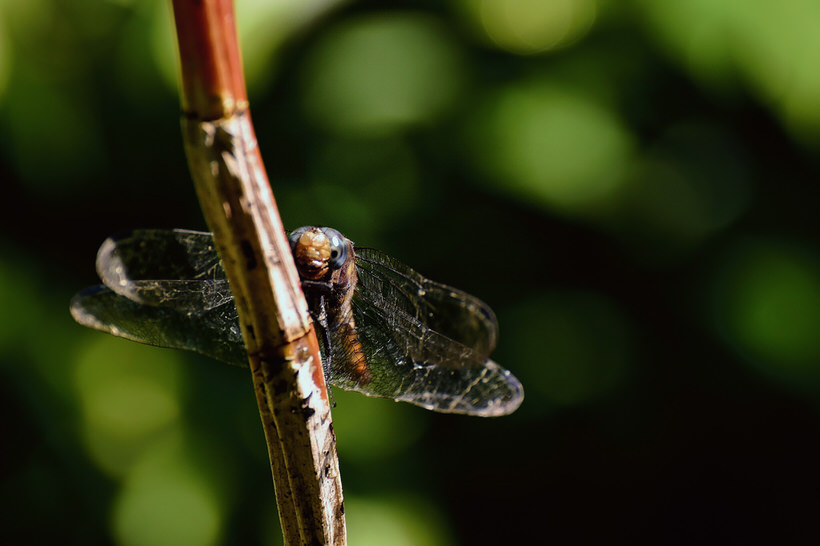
{"type": "Point", "coordinates": [213, 82]}
{"type": "Point", "coordinates": [238, 205]}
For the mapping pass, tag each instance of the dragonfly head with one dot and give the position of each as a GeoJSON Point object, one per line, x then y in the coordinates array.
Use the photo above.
{"type": "Point", "coordinates": [318, 252]}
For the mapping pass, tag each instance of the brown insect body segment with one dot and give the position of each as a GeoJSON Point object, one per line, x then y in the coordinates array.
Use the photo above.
{"type": "Point", "coordinates": [313, 252]}
{"type": "Point", "coordinates": [340, 314]}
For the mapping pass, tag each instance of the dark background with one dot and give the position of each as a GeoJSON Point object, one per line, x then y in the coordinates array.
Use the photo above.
{"type": "Point", "coordinates": [630, 185]}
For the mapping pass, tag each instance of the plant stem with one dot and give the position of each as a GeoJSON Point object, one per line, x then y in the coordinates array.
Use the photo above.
{"type": "Point", "coordinates": [238, 204]}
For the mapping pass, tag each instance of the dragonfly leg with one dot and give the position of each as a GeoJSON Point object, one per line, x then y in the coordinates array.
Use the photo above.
{"type": "Point", "coordinates": [318, 314]}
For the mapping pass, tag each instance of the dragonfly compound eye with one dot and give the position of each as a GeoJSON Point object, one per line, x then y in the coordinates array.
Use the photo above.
{"type": "Point", "coordinates": [338, 248]}
{"type": "Point", "coordinates": [295, 235]}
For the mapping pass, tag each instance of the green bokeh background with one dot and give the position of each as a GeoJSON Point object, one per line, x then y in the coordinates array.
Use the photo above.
{"type": "Point", "coordinates": [628, 184]}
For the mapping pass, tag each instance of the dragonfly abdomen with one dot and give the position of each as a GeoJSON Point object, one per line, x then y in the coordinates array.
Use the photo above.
{"type": "Point", "coordinates": [353, 360]}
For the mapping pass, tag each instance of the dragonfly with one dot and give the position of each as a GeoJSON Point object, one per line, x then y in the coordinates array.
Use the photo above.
{"type": "Point", "coordinates": [385, 330]}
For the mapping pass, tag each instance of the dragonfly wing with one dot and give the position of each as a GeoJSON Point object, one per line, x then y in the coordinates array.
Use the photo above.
{"type": "Point", "coordinates": [169, 268]}
{"type": "Point", "coordinates": [444, 309]}
{"type": "Point", "coordinates": [425, 343]}
{"type": "Point", "coordinates": [165, 288]}
{"type": "Point", "coordinates": [214, 332]}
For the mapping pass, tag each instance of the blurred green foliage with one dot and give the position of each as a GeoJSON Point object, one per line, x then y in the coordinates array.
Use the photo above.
{"type": "Point", "coordinates": [627, 183]}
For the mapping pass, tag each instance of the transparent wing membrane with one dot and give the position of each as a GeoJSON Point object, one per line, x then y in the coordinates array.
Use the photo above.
{"type": "Point", "coordinates": [424, 343]}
